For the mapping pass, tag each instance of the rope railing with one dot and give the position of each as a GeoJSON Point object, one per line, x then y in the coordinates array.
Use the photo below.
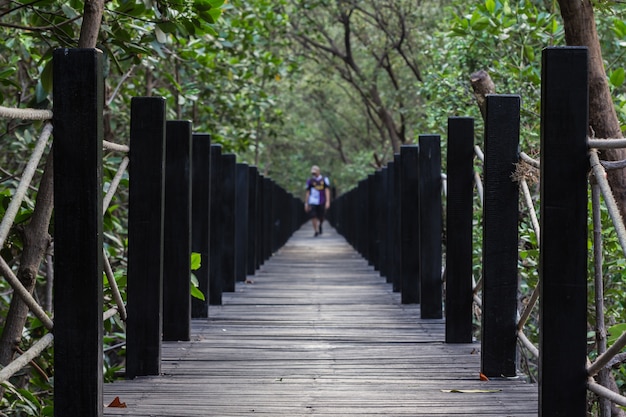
{"type": "Point", "coordinates": [9, 217]}
{"type": "Point", "coordinates": [27, 177]}
{"type": "Point", "coordinates": [26, 114]}
{"type": "Point", "coordinates": [24, 359]}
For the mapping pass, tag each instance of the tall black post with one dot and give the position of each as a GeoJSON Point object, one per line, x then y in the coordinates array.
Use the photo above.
{"type": "Point", "coordinates": [227, 271]}
{"type": "Point", "coordinates": [430, 226]}
{"type": "Point", "coordinates": [459, 217]}
{"type": "Point", "coordinates": [145, 237]}
{"type": "Point", "coordinates": [241, 221]}
{"type": "Point", "coordinates": [396, 225]}
{"type": "Point", "coordinates": [177, 232]}
{"type": "Point", "coordinates": [563, 257]}
{"type": "Point", "coordinates": [200, 218]}
{"type": "Point", "coordinates": [410, 224]}
{"type": "Point", "coordinates": [500, 237]}
{"type": "Point", "coordinates": [215, 250]}
{"type": "Point", "coordinates": [252, 219]}
{"type": "Point", "coordinates": [77, 163]}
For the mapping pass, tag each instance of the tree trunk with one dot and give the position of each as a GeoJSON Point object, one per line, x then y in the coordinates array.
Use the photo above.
{"type": "Point", "coordinates": [92, 18]}
{"type": "Point", "coordinates": [580, 30]}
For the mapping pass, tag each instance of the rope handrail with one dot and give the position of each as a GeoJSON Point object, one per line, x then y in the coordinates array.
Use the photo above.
{"type": "Point", "coordinates": [115, 182]}
{"type": "Point", "coordinates": [521, 336]}
{"type": "Point", "coordinates": [600, 176]}
{"type": "Point", "coordinates": [27, 177]}
{"type": "Point", "coordinates": [23, 360]}
{"type": "Point", "coordinates": [479, 153]}
{"type": "Point", "coordinates": [604, 392]}
{"type": "Point", "coordinates": [606, 143]}
{"type": "Point", "coordinates": [36, 309]}
{"type": "Point", "coordinates": [530, 161]}
{"type": "Point", "coordinates": [26, 114]}
{"type": "Point", "coordinates": [115, 146]}
{"type": "Point", "coordinates": [117, 296]}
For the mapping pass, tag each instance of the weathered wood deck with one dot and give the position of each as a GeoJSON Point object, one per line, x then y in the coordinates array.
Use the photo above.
{"type": "Point", "coordinates": [318, 333]}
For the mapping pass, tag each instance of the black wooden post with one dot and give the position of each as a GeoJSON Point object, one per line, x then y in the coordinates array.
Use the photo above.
{"type": "Point", "coordinates": [459, 217]}
{"type": "Point", "coordinates": [260, 218]}
{"type": "Point", "coordinates": [410, 224]}
{"type": "Point", "coordinates": [372, 235]}
{"type": "Point", "coordinates": [241, 221]}
{"type": "Point", "coordinates": [228, 222]}
{"type": "Point", "coordinates": [177, 231]}
{"type": "Point", "coordinates": [267, 222]}
{"type": "Point", "coordinates": [384, 223]}
{"type": "Point", "coordinates": [215, 280]}
{"type": "Point", "coordinates": [500, 237]}
{"type": "Point", "coordinates": [252, 219]}
{"type": "Point", "coordinates": [396, 225]}
{"type": "Point", "coordinates": [77, 159]}
{"type": "Point", "coordinates": [563, 257]}
{"type": "Point", "coordinates": [430, 226]}
{"type": "Point", "coordinates": [361, 218]}
{"type": "Point", "coordinates": [200, 217]}
{"type": "Point", "coordinates": [145, 237]}
{"type": "Point", "coordinates": [377, 216]}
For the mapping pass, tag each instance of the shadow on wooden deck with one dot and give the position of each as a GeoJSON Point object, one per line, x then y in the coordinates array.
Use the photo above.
{"type": "Point", "coordinates": [318, 332]}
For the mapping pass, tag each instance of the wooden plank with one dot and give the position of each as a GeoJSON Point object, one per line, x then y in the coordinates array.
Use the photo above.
{"type": "Point", "coordinates": [319, 332]}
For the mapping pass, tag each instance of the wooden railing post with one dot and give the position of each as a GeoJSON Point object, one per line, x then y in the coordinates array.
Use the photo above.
{"type": "Point", "coordinates": [395, 224]}
{"type": "Point", "coordinates": [241, 221]}
{"type": "Point", "coordinates": [145, 237]}
{"type": "Point", "coordinates": [215, 258]}
{"type": "Point", "coordinates": [200, 217]}
{"type": "Point", "coordinates": [227, 220]}
{"type": "Point", "coordinates": [253, 220]}
{"type": "Point", "coordinates": [77, 163]}
{"type": "Point", "coordinates": [563, 256]}
{"type": "Point", "coordinates": [500, 237]}
{"type": "Point", "coordinates": [459, 217]}
{"type": "Point", "coordinates": [372, 226]}
{"type": "Point", "coordinates": [177, 231]}
{"type": "Point", "coordinates": [430, 226]}
{"type": "Point", "coordinates": [410, 224]}
{"type": "Point", "coordinates": [383, 222]}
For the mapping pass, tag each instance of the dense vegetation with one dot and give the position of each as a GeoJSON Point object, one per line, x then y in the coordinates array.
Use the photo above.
{"type": "Point", "coordinates": [286, 84]}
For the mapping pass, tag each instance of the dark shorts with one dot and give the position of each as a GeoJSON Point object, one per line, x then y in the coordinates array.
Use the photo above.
{"type": "Point", "coordinates": [317, 210]}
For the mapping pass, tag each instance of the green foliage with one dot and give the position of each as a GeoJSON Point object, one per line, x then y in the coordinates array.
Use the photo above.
{"type": "Point", "coordinates": [196, 263]}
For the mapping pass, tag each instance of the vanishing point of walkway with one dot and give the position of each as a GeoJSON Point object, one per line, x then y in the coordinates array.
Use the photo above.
{"type": "Point", "coordinates": [318, 332]}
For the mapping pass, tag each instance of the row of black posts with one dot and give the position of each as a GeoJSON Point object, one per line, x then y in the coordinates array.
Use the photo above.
{"type": "Point", "coordinates": [185, 196]}
{"type": "Point", "coordinates": [394, 219]}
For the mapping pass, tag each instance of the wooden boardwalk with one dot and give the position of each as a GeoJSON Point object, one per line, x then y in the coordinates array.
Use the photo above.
{"type": "Point", "coordinates": [318, 333]}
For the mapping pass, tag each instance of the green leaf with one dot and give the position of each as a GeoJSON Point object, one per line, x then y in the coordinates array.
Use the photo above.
{"type": "Point", "coordinates": [196, 293]}
{"type": "Point", "coordinates": [196, 261]}
{"type": "Point", "coordinates": [202, 5]}
{"type": "Point", "coordinates": [46, 77]}
{"type": "Point", "coordinates": [617, 77]}
{"type": "Point", "coordinates": [529, 53]}
{"type": "Point", "coordinates": [490, 5]}
{"type": "Point", "coordinates": [615, 332]}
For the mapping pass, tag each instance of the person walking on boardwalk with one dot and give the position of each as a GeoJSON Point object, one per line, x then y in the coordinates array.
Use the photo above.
{"type": "Point", "coordinates": [317, 199]}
